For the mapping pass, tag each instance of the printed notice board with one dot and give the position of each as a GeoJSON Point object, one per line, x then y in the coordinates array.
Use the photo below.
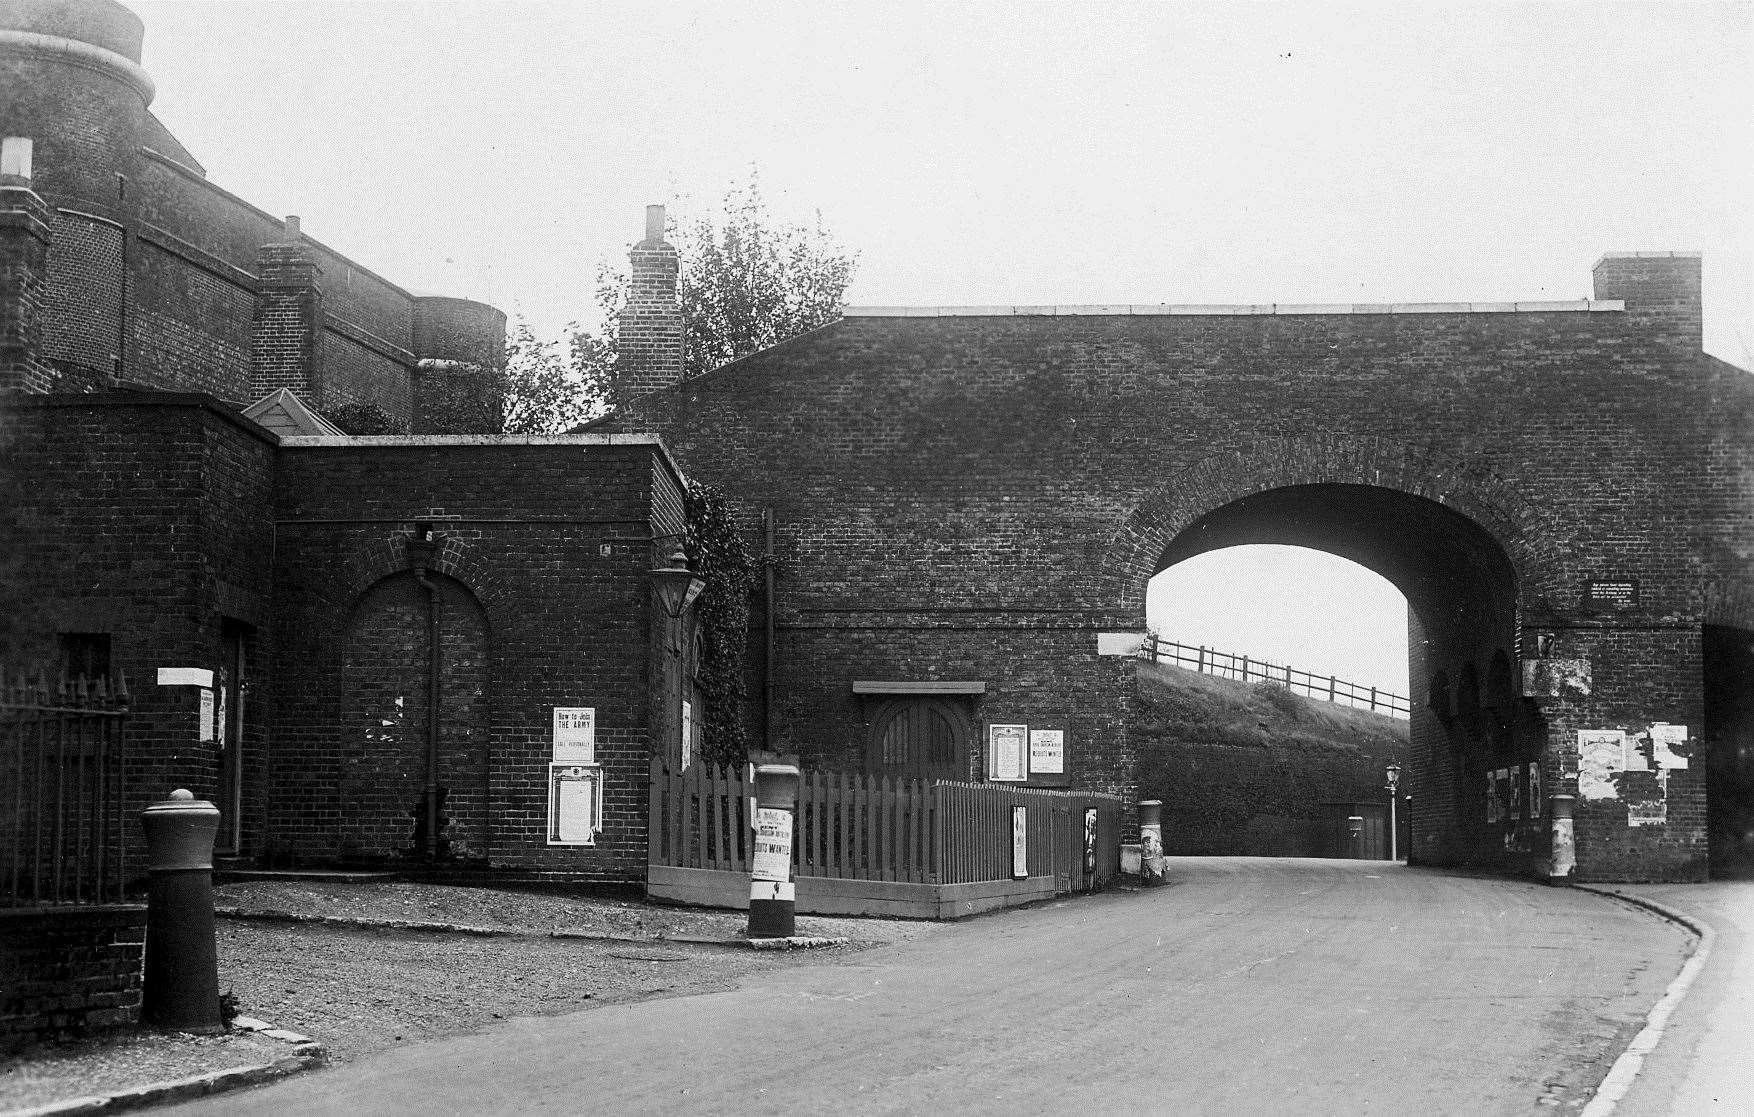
{"type": "Point", "coordinates": [1008, 753]}
{"type": "Point", "coordinates": [575, 804]}
{"type": "Point", "coordinates": [575, 735]}
{"type": "Point", "coordinates": [1047, 752]}
{"type": "Point", "coordinates": [1019, 843]}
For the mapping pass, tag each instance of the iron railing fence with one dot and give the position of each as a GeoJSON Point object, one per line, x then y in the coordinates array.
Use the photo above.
{"type": "Point", "coordinates": [1244, 669]}
{"type": "Point", "coordinates": [61, 790]}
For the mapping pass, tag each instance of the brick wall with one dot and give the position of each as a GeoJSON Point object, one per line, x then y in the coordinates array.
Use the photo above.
{"type": "Point", "coordinates": [950, 489]}
{"type": "Point", "coordinates": [191, 321]}
{"type": "Point", "coordinates": [550, 541]}
{"type": "Point", "coordinates": [146, 516]}
{"type": "Point", "coordinates": [69, 972]}
{"type": "Point", "coordinates": [85, 296]}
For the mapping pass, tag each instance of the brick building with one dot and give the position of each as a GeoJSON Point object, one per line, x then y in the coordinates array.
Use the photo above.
{"type": "Point", "coordinates": [969, 502]}
{"type": "Point", "coordinates": [394, 638]}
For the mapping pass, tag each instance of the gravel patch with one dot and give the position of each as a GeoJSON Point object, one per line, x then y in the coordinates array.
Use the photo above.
{"type": "Point", "coordinates": [359, 990]}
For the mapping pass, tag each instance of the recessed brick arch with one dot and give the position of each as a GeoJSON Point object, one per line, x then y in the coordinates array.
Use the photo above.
{"type": "Point", "coordinates": [383, 554]}
{"type": "Point", "coordinates": [1519, 526]}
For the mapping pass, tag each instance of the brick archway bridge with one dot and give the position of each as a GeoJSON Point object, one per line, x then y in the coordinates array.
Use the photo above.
{"type": "Point", "coordinates": [971, 500]}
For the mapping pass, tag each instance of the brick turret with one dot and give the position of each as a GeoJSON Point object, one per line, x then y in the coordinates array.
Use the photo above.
{"type": "Point", "coordinates": [649, 344]}
{"type": "Point", "coordinates": [24, 265]}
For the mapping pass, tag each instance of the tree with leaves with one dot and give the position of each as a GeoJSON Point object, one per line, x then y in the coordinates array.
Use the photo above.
{"type": "Point", "coordinates": [748, 281]}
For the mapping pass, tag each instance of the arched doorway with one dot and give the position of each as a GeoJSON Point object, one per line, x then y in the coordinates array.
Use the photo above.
{"type": "Point", "coordinates": [387, 673]}
{"type": "Point", "coordinates": [919, 737]}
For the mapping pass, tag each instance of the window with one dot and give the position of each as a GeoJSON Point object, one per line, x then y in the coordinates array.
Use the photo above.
{"type": "Point", "coordinates": [85, 653]}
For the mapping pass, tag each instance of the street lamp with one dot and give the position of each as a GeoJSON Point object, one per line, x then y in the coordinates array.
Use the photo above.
{"type": "Point", "coordinates": [1393, 775]}
{"type": "Point", "coordinates": [677, 585]}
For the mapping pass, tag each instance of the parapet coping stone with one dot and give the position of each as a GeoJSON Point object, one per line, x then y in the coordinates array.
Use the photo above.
{"type": "Point", "coordinates": [1591, 306]}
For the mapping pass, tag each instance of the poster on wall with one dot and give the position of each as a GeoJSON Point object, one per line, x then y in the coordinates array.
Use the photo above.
{"type": "Point", "coordinates": [205, 720]}
{"type": "Point", "coordinates": [1019, 843]}
{"type": "Point", "coordinates": [1047, 752]}
{"type": "Point", "coordinates": [1537, 806]}
{"type": "Point", "coordinates": [1008, 752]}
{"type": "Point", "coordinates": [773, 845]}
{"type": "Point", "coordinates": [687, 733]}
{"type": "Point", "coordinates": [575, 735]}
{"type": "Point", "coordinates": [575, 804]}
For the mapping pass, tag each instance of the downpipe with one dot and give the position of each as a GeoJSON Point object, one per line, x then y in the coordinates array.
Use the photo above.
{"type": "Point", "coordinates": [433, 633]}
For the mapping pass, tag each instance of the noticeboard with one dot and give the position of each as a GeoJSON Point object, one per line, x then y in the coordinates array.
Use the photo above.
{"type": "Point", "coordinates": [1008, 753]}
{"type": "Point", "coordinates": [1019, 842]}
{"type": "Point", "coordinates": [575, 804]}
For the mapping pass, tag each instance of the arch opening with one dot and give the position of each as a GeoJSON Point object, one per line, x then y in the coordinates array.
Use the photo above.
{"type": "Point", "coordinates": [384, 718]}
{"type": "Point", "coordinates": [1729, 757]}
{"type": "Point", "coordinates": [1473, 749]}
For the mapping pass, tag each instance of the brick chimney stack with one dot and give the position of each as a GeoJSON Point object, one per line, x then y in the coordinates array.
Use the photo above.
{"type": "Point", "coordinates": [1660, 288]}
{"type": "Point", "coordinates": [25, 237]}
{"type": "Point", "coordinates": [286, 343]}
{"type": "Point", "coordinates": [649, 344]}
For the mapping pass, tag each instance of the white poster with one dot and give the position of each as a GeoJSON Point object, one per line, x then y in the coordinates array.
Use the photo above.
{"type": "Point", "coordinates": [1007, 752]}
{"type": "Point", "coordinates": [1664, 739]}
{"type": "Point", "coordinates": [1537, 806]}
{"type": "Point", "coordinates": [1019, 842]}
{"type": "Point", "coordinates": [773, 845]}
{"type": "Point", "coordinates": [575, 735]}
{"type": "Point", "coordinates": [575, 804]}
{"type": "Point", "coordinates": [1600, 753]}
{"type": "Point", "coordinates": [687, 733]}
{"type": "Point", "coordinates": [1047, 751]}
{"type": "Point", "coordinates": [204, 724]}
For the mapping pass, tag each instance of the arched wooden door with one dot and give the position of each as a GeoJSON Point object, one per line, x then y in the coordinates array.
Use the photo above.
{"type": "Point", "coordinates": [919, 738]}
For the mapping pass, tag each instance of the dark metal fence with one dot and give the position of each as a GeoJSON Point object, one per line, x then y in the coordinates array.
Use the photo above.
{"type": "Point", "coordinates": [61, 757]}
{"type": "Point", "coordinates": [1244, 669]}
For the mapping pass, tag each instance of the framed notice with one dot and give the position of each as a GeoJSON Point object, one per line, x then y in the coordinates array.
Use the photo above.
{"type": "Point", "coordinates": [1008, 753]}
{"type": "Point", "coordinates": [1047, 751]}
{"type": "Point", "coordinates": [575, 735]}
{"type": "Point", "coordinates": [575, 804]}
{"type": "Point", "coordinates": [1019, 842]}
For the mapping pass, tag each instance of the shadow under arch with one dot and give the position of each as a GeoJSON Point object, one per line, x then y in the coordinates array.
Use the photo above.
{"type": "Point", "coordinates": [1520, 529]}
{"type": "Point", "coordinates": [1468, 766]}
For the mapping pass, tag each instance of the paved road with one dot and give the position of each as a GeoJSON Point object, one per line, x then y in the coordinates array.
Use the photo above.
{"type": "Point", "coordinates": [1703, 1066]}
{"type": "Point", "coordinates": [1250, 986]}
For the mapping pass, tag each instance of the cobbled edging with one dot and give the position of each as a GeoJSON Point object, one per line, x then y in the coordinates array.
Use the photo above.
{"type": "Point", "coordinates": [306, 1053]}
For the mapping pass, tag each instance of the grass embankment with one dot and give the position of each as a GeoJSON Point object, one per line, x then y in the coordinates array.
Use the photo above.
{"type": "Point", "coordinates": [1244, 769]}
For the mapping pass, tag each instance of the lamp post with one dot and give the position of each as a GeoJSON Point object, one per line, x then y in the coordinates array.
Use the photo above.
{"type": "Point", "coordinates": [677, 585]}
{"type": "Point", "coordinates": [1393, 774]}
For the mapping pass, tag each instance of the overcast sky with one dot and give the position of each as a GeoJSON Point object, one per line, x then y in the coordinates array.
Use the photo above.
{"type": "Point", "coordinates": [996, 153]}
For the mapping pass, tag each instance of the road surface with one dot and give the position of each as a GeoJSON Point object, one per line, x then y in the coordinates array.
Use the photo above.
{"type": "Point", "coordinates": [1249, 986]}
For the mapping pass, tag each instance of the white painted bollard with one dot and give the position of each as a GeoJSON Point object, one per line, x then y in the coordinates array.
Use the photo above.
{"type": "Point", "coordinates": [1152, 869]}
{"type": "Point", "coordinates": [773, 907]}
{"type": "Point", "coordinates": [1564, 857]}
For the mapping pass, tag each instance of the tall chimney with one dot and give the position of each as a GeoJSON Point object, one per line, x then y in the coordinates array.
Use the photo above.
{"type": "Point", "coordinates": [649, 341]}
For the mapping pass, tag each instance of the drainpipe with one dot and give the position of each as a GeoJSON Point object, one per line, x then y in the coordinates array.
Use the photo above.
{"type": "Point", "coordinates": [767, 633]}
{"type": "Point", "coordinates": [421, 547]}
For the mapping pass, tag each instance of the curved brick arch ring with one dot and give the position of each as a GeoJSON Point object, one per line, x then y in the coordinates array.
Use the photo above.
{"type": "Point", "coordinates": [1526, 533]}
{"type": "Point", "coordinates": [379, 557]}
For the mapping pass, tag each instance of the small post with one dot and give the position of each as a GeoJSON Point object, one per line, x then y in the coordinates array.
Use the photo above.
{"type": "Point", "coordinates": [181, 988]}
{"type": "Point", "coordinates": [1245, 668]}
{"type": "Point", "coordinates": [773, 906]}
{"type": "Point", "coordinates": [1152, 869]}
{"type": "Point", "coordinates": [1201, 668]}
{"type": "Point", "coordinates": [1564, 857]}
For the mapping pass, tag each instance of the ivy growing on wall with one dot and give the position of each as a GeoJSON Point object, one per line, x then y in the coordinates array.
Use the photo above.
{"type": "Point", "coordinates": [717, 553]}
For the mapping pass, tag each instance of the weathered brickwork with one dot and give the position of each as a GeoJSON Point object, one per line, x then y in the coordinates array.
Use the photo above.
{"type": "Point", "coordinates": [544, 556]}
{"type": "Point", "coordinates": [85, 296]}
{"type": "Point", "coordinates": [154, 273]}
{"type": "Point", "coordinates": [649, 338]}
{"type": "Point", "coordinates": [950, 489]}
{"type": "Point", "coordinates": [69, 973]}
{"type": "Point", "coordinates": [145, 516]}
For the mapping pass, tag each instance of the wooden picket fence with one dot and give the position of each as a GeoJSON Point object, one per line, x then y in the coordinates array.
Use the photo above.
{"type": "Point", "coordinates": [860, 826]}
